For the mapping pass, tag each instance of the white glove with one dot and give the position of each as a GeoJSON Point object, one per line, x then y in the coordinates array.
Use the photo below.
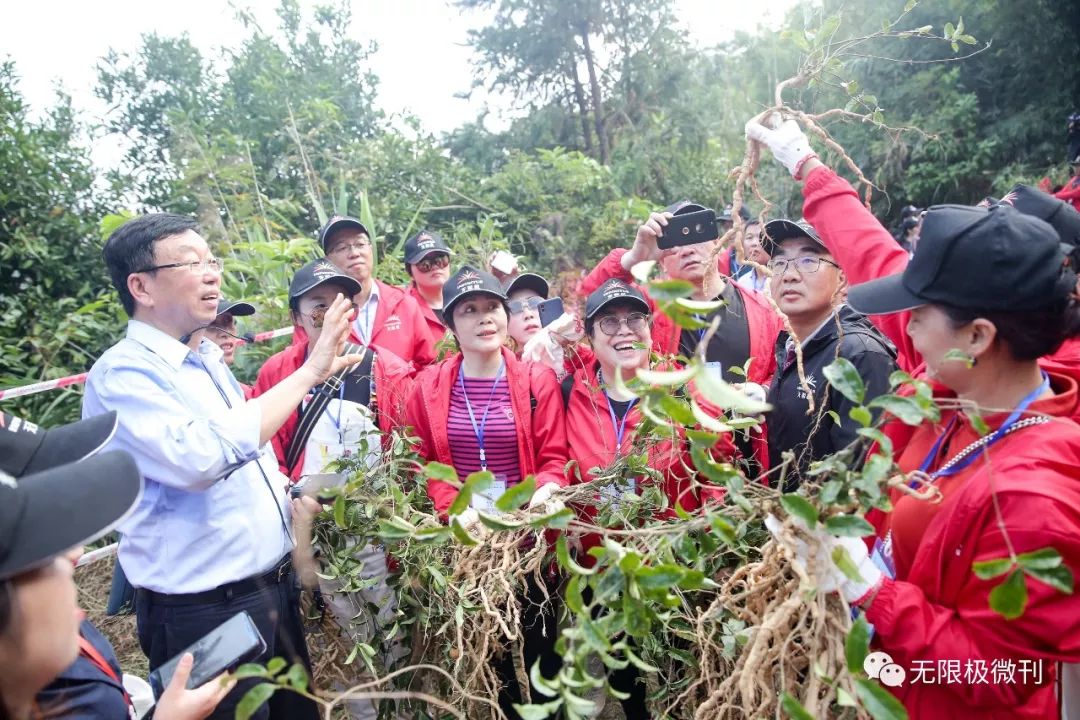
{"type": "Point", "coordinates": [543, 348]}
{"type": "Point", "coordinates": [818, 564]}
{"type": "Point", "coordinates": [754, 391]}
{"type": "Point", "coordinates": [544, 498]}
{"type": "Point", "coordinates": [788, 143]}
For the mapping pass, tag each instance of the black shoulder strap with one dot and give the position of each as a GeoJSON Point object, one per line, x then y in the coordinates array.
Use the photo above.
{"type": "Point", "coordinates": [567, 387]}
{"type": "Point", "coordinates": [314, 410]}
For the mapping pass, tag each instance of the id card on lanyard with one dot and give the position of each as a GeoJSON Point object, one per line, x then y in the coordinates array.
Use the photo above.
{"type": "Point", "coordinates": [486, 501]}
{"type": "Point", "coordinates": [615, 492]}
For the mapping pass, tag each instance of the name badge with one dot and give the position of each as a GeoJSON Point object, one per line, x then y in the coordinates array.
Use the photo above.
{"type": "Point", "coordinates": [715, 370]}
{"type": "Point", "coordinates": [486, 501]}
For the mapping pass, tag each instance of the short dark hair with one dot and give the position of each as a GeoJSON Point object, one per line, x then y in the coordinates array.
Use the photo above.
{"type": "Point", "coordinates": [130, 249]}
{"type": "Point", "coordinates": [1029, 335]}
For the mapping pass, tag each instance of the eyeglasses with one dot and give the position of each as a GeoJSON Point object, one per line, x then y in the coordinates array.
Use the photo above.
{"type": "Point", "coordinates": [635, 323]}
{"type": "Point", "coordinates": [438, 262]}
{"type": "Point", "coordinates": [195, 267]}
{"type": "Point", "coordinates": [804, 265]}
{"type": "Point", "coordinates": [347, 248]}
{"type": "Point", "coordinates": [519, 306]}
{"type": "Point", "coordinates": [318, 314]}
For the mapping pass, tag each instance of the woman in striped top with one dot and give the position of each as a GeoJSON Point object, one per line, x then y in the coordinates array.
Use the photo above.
{"type": "Point", "coordinates": [483, 409]}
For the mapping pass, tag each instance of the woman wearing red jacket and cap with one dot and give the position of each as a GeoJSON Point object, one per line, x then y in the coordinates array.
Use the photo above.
{"type": "Point", "coordinates": [483, 409]}
{"type": "Point", "coordinates": [988, 293]}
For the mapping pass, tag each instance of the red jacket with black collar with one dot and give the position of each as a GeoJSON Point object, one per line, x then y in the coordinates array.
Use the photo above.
{"type": "Point", "coordinates": [435, 327]}
{"type": "Point", "coordinates": [399, 327]}
{"type": "Point", "coordinates": [541, 430]}
{"type": "Point", "coordinates": [393, 381]}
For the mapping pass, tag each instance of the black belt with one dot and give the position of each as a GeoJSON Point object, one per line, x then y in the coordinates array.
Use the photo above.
{"type": "Point", "coordinates": [225, 593]}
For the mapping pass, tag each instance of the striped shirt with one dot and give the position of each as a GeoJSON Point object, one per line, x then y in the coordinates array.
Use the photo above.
{"type": "Point", "coordinates": [500, 432]}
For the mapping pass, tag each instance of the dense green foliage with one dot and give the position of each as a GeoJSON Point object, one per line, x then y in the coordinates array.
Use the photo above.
{"type": "Point", "coordinates": [265, 140]}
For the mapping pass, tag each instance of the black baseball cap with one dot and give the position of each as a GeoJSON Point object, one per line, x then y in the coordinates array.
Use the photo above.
{"type": "Point", "coordinates": [527, 281]}
{"type": "Point", "coordinates": [777, 231]}
{"type": "Point", "coordinates": [977, 258]}
{"type": "Point", "coordinates": [728, 216]}
{"type": "Point", "coordinates": [238, 308]}
{"type": "Point", "coordinates": [423, 244]}
{"type": "Point", "coordinates": [317, 272]}
{"type": "Point", "coordinates": [614, 290]}
{"type": "Point", "coordinates": [49, 512]}
{"type": "Point", "coordinates": [469, 281]}
{"type": "Point", "coordinates": [1062, 216]}
{"type": "Point", "coordinates": [684, 206]}
{"type": "Point", "coordinates": [336, 223]}
{"type": "Point", "coordinates": [26, 448]}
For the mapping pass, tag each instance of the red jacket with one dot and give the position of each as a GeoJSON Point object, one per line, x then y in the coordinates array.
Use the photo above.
{"type": "Point", "coordinates": [1071, 192]}
{"type": "Point", "coordinates": [399, 327]}
{"type": "Point", "coordinates": [866, 251]}
{"type": "Point", "coordinates": [393, 381]}
{"type": "Point", "coordinates": [541, 429]}
{"type": "Point", "coordinates": [764, 323]}
{"type": "Point", "coordinates": [939, 609]}
{"type": "Point", "coordinates": [435, 326]}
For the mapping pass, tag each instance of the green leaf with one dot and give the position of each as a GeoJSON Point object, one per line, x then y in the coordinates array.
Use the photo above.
{"type": "Point", "coordinates": [723, 395]}
{"type": "Point", "coordinates": [852, 86]}
{"type": "Point", "coordinates": [668, 290]}
{"type": "Point", "coordinates": [1010, 597]}
{"type": "Point", "coordinates": [830, 492]}
{"type": "Point", "coordinates": [661, 577]}
{"type": "Point", "coordinates": [793, 708]}
{"type": "Point", "coordinates": [910, 5]}
{"type": "Point", "coordinates": [339, 512]}
{"type": "Point", "coordinates": [254, 699]}
{"type": "Point", "coordinates": [538, 712]}
{"type": "Point", "coordinates": [517, 495]}
{"type": "Point", "coordinates": [641, 272]}
{"type": "Point", "coordinates": [967, 39]}
{"type": "Point", "coordinates": [879, 702]}
{"type": "Point", "coordinates": [438, 471]}
{"type": "Point", "coordinates": [666, 378]}
{"type": "Point", "coordinates": [848, 526]}
{"type": "Point", "coordinates": [857, 644]}
{"type": "Point", "coordinates": [638, 662]}
{"type": "Point", "coordinates": [574, 600]}
{"type": "Point", "coordinates": [842, 559]}
{"type": "Point", "coordinates": [899, 377]}
{"type": "Point", "coordinates": [904, 408]}
{"type": "Point", "coordinates": [254, 670]}
{"type": "Point", "coordinates": [566, 562]}
{"type": "Point", "coordinates": [479, 482]}
{"type": "Point", "coordinates": [1059, 578]}
{"type": "Point", "coordinates": [977, 423]}
{"type": "Point", "coordinates": [461, 502]}
{"type": "Point", "coordinates": [496, 522]}
{"type": "Point", "coordinates": [861, 415]}
{"type": "Point", "coordinates": [298, 678]}
{"type": "Point", "coordinates": [636, 617]}
{"type": "Point", "coordinates": [799, 507]}
{"type": "Point", "coordinates": [276, 665]}
{"type": "Point", "coordinates": [460, 533]}
{"type": "Point", "coordinates": [843, 376]}
{"type": "Point", "coordinates": [988, 569]}
{"type": "Point", "coordinates": [950, 30]}
{"type": "Point", "coordinates": [1042, 559]}
{"type": "Point", "coordinates": [725, 529]}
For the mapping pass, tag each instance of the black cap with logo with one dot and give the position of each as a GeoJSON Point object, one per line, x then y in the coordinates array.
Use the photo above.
{"type": "Point", "coordinates": [469, 281]}
{"type": "Point", "coordinates": [314, 274]}
{"type": "Point", "coordinates": [994, 259]}
{"type": "Point", "coordinates": [1062, 216]}
{"type": "Point", "coordinates": [339, 222]}
{"type": "Point", "coordinates": [777, 231]}
{"type": "Point", "coordinates": [423, 244]}
{"type": "Point", "coordinates": [614, 290]}
{"type": "Point", "coordinates": [728, 216]}
{"type": "Point", "coordinates": [684, 206]}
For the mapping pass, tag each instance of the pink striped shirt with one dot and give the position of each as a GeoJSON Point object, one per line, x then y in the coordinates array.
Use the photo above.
{"type": "Point", "coordinates": [500, 432]}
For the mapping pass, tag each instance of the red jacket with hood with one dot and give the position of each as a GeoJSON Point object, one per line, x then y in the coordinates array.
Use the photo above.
{"type": "Point", "coordinates": [763, 321]}
{"type": "Point", "coordinates": [399, 327]}
{"type": "Point", "coordinates": [937, 609]}
{"type": "Point", "coordinates": [541, 426]}
{"type": "Point", "coordinates": [393, 381]}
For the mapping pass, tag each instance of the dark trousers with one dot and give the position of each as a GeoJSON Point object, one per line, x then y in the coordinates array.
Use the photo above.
{"type": "Point", "coordinates": [167, 626]}
{"type": "Point", "coordinates": [540, 632]}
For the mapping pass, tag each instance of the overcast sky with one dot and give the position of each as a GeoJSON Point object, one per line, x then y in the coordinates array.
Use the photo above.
{"type": "Point", "coordinates": [422, 59]}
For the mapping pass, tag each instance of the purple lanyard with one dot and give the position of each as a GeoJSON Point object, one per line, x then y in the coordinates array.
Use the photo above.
{"type": "Point", "coordinates": [479, 429]}
{"type": "Point", "coordinates": [997, 435]}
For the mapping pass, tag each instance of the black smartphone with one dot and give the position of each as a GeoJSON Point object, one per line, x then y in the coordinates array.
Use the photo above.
{"type": "Point", "coordinates": [232, 643]}
{"type": "Point", "coordinates": [689, 229]}
{"type": "Point", "coordinates": [314, 485]}
{"type": "Point", "coordinates": [549, 311]}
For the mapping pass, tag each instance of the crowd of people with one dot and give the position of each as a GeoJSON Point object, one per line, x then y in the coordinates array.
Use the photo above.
{"type": "Point", "coordinates": [197, 477]}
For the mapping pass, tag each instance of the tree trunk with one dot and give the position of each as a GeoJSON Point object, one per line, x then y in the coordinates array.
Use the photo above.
{"type": "Point", "coordinates": [583, 108]}
{"type": "Point", "coordinates": [597, 99]}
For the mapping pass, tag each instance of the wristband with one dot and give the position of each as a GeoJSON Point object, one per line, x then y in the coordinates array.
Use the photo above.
{"type": "Point", "coordinates": [797, 170]}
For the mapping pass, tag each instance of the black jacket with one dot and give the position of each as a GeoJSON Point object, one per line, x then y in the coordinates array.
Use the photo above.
{"type": "Point", "coordinates": [789, 425]}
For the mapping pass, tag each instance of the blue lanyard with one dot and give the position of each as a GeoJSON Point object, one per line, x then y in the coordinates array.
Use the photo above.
{"type": "Point", "coordinates": [619, 425]}
{"type": "Point", "coordinates": [479, 429]}
{"type": "Point", "coordinates": [361, 330]}
{"type": "Point", "coordinates": [341, 402]}
{"type": "Point", "coordinates": [997, 435]}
